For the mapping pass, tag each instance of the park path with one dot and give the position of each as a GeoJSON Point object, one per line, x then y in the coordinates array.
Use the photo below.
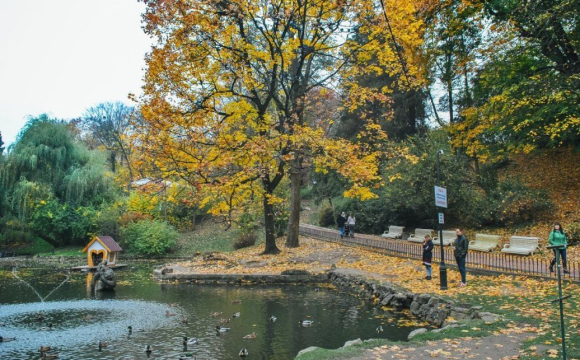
{"type": "Point", "coordinates": [495, 347]}
{"type": "Point", "coordinates": [484, 261]}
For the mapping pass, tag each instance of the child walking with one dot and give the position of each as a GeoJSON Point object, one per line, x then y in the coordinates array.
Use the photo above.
{"type": "Point", "coordinates": [427, 255]}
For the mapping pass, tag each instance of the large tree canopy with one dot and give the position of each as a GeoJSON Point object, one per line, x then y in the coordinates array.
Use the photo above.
{"type": "Point", "coordinates": [227, 83]}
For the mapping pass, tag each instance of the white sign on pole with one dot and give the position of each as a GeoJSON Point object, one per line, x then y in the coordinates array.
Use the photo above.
{"type": "Point", "coordinates": [440, 197]}
{"type": "Point", "coordinates": [441, 219]}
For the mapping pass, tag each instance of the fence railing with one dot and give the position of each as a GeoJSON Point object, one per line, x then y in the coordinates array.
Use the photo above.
{"type": "Point", "coordinates": [490, 261]}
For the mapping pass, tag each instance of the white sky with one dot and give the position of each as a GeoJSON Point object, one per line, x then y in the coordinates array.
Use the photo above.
{"type": "Point", "coordinates": [63, 56]}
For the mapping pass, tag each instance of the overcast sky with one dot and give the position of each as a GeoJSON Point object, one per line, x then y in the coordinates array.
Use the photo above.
{"type": "Point", "coordinates": [62, 56]}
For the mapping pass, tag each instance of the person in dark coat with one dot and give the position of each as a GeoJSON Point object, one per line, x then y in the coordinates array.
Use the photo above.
{"type": "Point", "coordinates": [460, 252]}
{"type": "Point", "coordinates": [340, 221]}
{"type": "Point", "coordinates": [428, 255]}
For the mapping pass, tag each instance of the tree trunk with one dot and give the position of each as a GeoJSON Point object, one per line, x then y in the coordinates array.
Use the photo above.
{"type": "Point", "coordinates": [450, 98]}
{"type": "Point", "coordinates": [113, 160]}
{"type": "Point", "coordinates": [411, 112]}
{"type": "Point", "coordinates": [294, 219]}
{"type": "Point", "coordinates": [271, 247]}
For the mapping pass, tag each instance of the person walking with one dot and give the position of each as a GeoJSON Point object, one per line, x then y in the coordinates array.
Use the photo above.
{"type": "Point", "coordinates": [460, 252]}
{"type": "Point", "coordinates": [340, 221]}
{"type": "Point", "coordinates": [351, 221]}
{"type": "Point", "coordinates": [427, 255]}
{"type": "Point", "coordinates": [558, 238]}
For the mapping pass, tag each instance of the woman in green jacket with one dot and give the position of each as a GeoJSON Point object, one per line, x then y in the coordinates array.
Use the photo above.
{"type": "Point", "coordinates": [557, 237]}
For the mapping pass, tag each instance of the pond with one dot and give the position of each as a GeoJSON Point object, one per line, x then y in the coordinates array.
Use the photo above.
{"type": "Point", "coordinates": [162, 314]}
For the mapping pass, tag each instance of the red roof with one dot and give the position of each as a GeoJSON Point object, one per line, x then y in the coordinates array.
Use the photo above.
{"type": "Point", "coordinates": [110, 243]}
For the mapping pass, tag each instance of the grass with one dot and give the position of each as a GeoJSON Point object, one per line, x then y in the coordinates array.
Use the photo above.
{"type": "Point", "coordinates": [68, 251]}
{"type": "Point", "coordinates": [37, 246]}
{"type": "Point", "coordinates": [209, 237]}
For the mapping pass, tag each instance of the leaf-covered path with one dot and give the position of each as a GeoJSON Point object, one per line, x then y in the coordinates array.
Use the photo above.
{"type": "Point", "coordinates": [505, 346]}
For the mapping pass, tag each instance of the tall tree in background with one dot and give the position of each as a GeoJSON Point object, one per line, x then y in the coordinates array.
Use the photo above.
{"type": "Point", "coordinates": [453, 34]}
{"type": "Point", "coordinates": [527, 91]}
{"type": "Point", "coordinates": [1, 145]}
{"type": "Point", "coordinates": [109, 124]}
{"type": "Point", "coordinates": [225, 93]}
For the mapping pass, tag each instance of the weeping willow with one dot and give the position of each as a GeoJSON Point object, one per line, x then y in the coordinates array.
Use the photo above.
{"type": "Point", "coordinates": [26, 195]}
{"type": "Point", "coordinates": [91, 181]}
{"type": "Point", "coordinates": [48, 162]}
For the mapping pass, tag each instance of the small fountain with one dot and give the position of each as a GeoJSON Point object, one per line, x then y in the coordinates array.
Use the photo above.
{"type": "Point", "coordinates": [15, 274]}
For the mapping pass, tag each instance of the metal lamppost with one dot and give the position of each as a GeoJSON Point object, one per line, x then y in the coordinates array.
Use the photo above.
{"type": "Point", "coordinates": [560, 299]}
{"type": "Point", "coordinates": [442, 267]}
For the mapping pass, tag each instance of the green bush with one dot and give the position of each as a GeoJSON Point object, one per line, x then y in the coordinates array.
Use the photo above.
{"type": "Point", "coordinates": [475, 198]}
{"type": "Point", "coordinates": [245, 239]}
{"type": "Point", "coordinates": [326, 216]}
{"type": "Point", "coordinates": [306, 193]}
{"type": "Point", "coordinates": [149, 237]}
{"type": "Point", "coordinates": [62, 225]}
{"type": "Point", "coordinates": [511, 202]}
{"type": "Point", "coordinates": [14, 233]}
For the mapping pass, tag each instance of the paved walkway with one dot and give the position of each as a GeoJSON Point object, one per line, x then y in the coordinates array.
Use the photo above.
{"type": "Point", "coordinates": [496, 262]}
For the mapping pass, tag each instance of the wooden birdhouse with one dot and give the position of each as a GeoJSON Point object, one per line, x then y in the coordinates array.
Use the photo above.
{"type": "Point", "coordinates": [102, 248]}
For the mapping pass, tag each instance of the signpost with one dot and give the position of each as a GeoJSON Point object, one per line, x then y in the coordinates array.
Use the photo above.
{"type": "Point", "coordinates": [440, 196]}
{"type": "Point", "coordinates": [440, 204]}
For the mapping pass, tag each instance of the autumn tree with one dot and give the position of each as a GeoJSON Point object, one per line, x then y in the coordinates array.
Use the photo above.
{"type": "Point", "coordinates": [226, 91]}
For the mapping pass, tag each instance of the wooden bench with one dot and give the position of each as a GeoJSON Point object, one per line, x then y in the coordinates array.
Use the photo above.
{"type": "Point", "coordinates": [521, 245]}
{"type": "Point", "coordinates": [394, 232]}
{"type": "Point", "coordinates": [419, 235]}
{"type": "Point", "coordinates": [449, 237]}
{"type": "Point", "coordinates": [484, 242]}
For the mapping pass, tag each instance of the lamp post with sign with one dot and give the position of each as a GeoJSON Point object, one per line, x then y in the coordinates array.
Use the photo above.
{"type": "Point", "coordinates": [440, 204]}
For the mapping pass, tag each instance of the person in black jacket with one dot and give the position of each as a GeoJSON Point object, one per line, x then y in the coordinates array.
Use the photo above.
{"type": "Point", "coordinates": [340, 221]}
{"type": "Point", "coordinates": [427, 255]}
{"type": "Point", "coordinates": [461, 246]}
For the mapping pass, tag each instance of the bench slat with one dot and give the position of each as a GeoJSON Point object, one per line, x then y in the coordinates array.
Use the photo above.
{"type": "Point", "coordinates": [419, 235]}
{"type": "Point", "coordinates": [484, 242]}
{"type": "Point", "coordinates": [522, 245]}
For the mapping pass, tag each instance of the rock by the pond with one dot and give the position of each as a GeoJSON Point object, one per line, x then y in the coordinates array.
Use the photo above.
{"type": "Point", "coordinates": [295, 272]}
{"type": "Point", "coordinates": [487, 316]}
{"type": "Point", "coordinates": [446, 327]}
{"type": "Point", "coordinates": [308, 349]}
{"type": "Point", "coordinates": [352, 342]}
{"type": "Point", "coordinates": [416, 332]}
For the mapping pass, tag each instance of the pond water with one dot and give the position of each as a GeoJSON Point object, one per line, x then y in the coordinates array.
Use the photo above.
{"type": "Point", "coordinates": [82, 318]}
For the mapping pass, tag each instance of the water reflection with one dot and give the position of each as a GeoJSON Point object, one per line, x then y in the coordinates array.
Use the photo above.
{"type": "Point", "coordinates": [82, 318]}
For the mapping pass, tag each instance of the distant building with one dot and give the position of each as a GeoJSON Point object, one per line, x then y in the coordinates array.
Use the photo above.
{"type": "Point", "coordinates": [101, 248]}
{"type": "Point", "coordinates": [150, 182]}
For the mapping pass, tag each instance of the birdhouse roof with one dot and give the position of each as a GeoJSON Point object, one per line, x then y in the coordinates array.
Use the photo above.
{"type": "Point", "coordinates": [107, 241]}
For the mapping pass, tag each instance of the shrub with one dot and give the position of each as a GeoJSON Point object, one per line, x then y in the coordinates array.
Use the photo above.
{"type": "Point", "coordinates": [245, 239]}
{"type": "Point", "coordinates": [14, 232]}
{"type": "Point", "coordinates": [511, 202]}
{"type": "Point", "coordinates": [573, 234]}
{"type": "Point", "coordinates": [62, 224]}
{"type": "Point", "coordinates": [306, 193]}
{"type": "Point", "coordinates": [326, 216]}
{"type": "Point", "coordinates": [149, 237]}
